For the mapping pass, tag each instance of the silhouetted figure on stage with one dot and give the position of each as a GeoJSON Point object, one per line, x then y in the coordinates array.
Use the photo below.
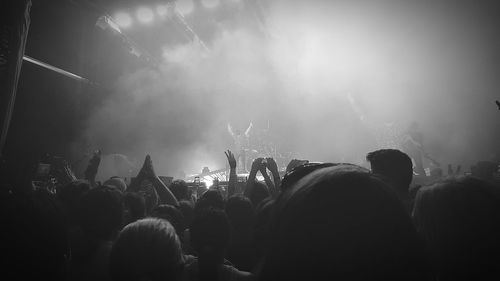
{"type": "Point", "coordinates": [387, 135]}
{"type": "Point", "coordinates": [241, 143]}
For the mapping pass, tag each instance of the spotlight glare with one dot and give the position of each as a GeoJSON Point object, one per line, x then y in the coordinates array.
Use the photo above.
{"type": "Point", "coordinates": [123, 19]}
{"type": "Point", "coordinates": [210, 4]}
{"type": "Point", "coordinates": [145, 15]}
{"type": "Point", "coordinates": [185, 6]}
{"type": "Point", "coordinates": [161, 10]}
{"type": "Point", "coordinates": [208, 181]}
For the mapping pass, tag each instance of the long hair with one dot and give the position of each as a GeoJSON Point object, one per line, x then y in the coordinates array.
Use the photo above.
{"type": "Point", "coordinates": [147, 249]}
{"type": "Point", "coordinates": [460, 220]}
{"type": "Point", "coordinates": [344, 223]}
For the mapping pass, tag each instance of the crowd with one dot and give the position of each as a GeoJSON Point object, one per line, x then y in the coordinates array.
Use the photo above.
{"type": "Point", "coordinates": [334, 221]}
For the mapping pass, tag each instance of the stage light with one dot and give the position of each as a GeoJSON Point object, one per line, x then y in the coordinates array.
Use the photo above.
{"type": "Point", "coordinates": [123, 19]}
{"type": "Point", "coordinates": [162, 10]}
{"type": "Point", "coordinates": [145, 15]}
{"type": "Point", "coordinates": [185, 6]}
{"type": "Point", "coordinates": [210, 3]}
{"type": "Point", "coordinates": [208, 181]}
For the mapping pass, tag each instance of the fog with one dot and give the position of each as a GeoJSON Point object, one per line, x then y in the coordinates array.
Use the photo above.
{"type": "Point", "coordinates": [429, 62]}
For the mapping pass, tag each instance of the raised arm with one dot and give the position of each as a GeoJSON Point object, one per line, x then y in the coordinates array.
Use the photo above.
{"type": "Point", "coordinates": [147, 173]}
{"type": "Point", "coordinates": [92, 167]}
{"type": "Point", "coordinates": [267, 179]}
{"type": "Point", "coordinates": [231, 187]}
{"type": "Point", "coordinates": [273, 167]}
{"type": "Point", "coordinates": [256, 165]}
{"type": "Point", "coordinates": [247, 132]}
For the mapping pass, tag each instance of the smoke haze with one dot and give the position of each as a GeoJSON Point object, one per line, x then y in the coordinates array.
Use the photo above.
{"type": "Point", "coordinates": [426, 62]}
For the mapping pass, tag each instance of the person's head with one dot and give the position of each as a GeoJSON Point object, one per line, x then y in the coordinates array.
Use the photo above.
{"type": "Point", "coordinates": [240, 212]}
{"type": "Point", "coordinates": [460, 220]}
{"type": "Point", "coordinates": [299, 171]}
{"type": "Point", "coordinates": [210, 234]}
{"type": "Point", "coordinates": [172, 215]}
{"type": "Point", "coordinates": [257, 192]}
{"type": "Point", "coordinates": [69, 195]}
{"type": "Point", "coordinates": [180, 190]}
{"type": "Point", "coordinates": [116, 182]}
{"type": "Point", "coordinates": [343, 223]}
{"type": "Point", "coordinates": [147, 249]}
{"type": "Point", "coordinates": [187, 210]}
{"type": "Point", "coordinates": [210, 199]}
{"type": "Point", "coordinates": [394, 165]}
{"type": "Point", "coordinates": [101, 212]}
{"type": "Point", "coordinates": [134, 207]}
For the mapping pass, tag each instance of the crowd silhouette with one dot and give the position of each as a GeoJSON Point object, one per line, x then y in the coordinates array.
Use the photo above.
{"type": "Point", "coordinates": [314, 221]}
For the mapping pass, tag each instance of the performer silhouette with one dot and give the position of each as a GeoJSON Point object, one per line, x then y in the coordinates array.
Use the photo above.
{"type": "Point", "coordinates": [241, 146]}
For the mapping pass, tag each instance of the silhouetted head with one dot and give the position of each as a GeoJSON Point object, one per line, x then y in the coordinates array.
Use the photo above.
{"type": "Point", "coordinates": [180, 190]}
{"type": "Point", "coordinates": [294, 174]}
{"type": "Point", "coordinates": [117, 182]}
{"type": "Point", "coordinates": [148, 249]}
{"type": "Point", "coordinates": [172, 215]}
{"type": "Point", "coordinates": [240, 212]}
{"type": "Point", "coordinates": [460, 220]}
{"type": "Point", "coordinates": [187, 210]}
{"type": "Point", "coordinates": [210, 199]}
{"type": "Point", "coordinates": [69, 195]}
{"type": "Point", "coordinates": [393, 165]}
{"type": "Point", "coordinates": [257, 192]}
{"type": "Point", "coordinates": [101, 212]}
{"type": "Point", "coordinates": [210, 234]}
{"type": "Point", "coordinates": [341, 223]}
{"type": "Point", "coordinates": [134, 207]}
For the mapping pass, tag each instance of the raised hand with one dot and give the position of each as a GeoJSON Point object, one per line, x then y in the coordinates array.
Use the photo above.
{"type": "Point", "coordinates": [63, 172]}
{"type": "Point", "coordinates": [230, 159]}
{"type": "Point", "coordinates": [148, 173]}
{"type": "Point", "coordinates": [147, 170]}
{"type": "Point", "coordinates": [257, 165]}
{"type": "Point", "coordinates": [263, 166]}
{"type": "Point", "coordinates": [231, 187]}
{"type": "Point", "coordinates": [271, 165]}
{"type": "Point", "coordinates": [93, 165]}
